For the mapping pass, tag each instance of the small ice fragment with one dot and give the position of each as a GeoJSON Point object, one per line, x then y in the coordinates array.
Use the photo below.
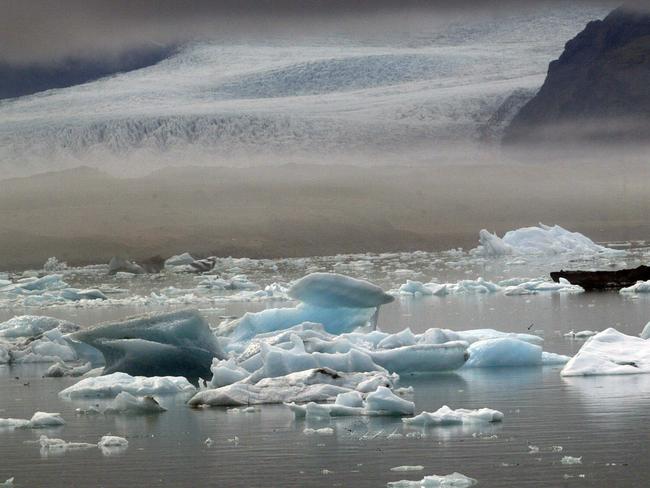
{"type": "Point", "coordinates": [454, 480]}
{"type": "Point", "coordinates": [557, 448]}
{"type": "Point", "coordinates": [208, 442]}
{"type": "Point", "coordinates": [407, 468]}
{"type": "Point", "coordinates": [571, 460]}
{"type": "Point", "coordinates": [533, 449]}
{"type": "Point", "coordinates": [113, 441]}
{"type": "Point", "coordinates": [323, 431]}
{"type": "Point", "coordinates": [326, 471]}
{"type": "Point", "coordinates": [9, 483]}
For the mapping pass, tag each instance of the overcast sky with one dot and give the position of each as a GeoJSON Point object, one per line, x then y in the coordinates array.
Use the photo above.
{"type": "Point", "coordinates": [48, 30]}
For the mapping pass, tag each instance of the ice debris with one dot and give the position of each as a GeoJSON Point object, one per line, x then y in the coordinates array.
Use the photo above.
{"type": "Point", "coordinates": [481, 286]}
{"type": "Point", "coordinates": [39, 420]}
{"type": "Point", "coordinates": [60, 446]}
{"type": "Point", "coordinates": [571, 460]}
{"type": "Point", "coordinates": [33, 325]}
{"type": "Point", "coordinates": [401, 469]}
{"type": "Point", "coordinates": [610, 352]}
{"type": "Point", "coordinates": [111, 385]}
{"type": "Point", "coordinates": [454, 480]}
{"type": "Point", "coordinates": [446, 416]}
{"type": "Point", "coordinates": [311, 385]}
{"type": "Point", "coordinates": [380, 402]}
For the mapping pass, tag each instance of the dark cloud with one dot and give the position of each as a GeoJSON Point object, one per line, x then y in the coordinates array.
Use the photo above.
{"type": "Point", "coordinates": [50, 30]}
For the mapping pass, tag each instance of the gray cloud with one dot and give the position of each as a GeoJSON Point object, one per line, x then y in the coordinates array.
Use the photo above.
{"type": "Point", "coordinates": [51, 30]}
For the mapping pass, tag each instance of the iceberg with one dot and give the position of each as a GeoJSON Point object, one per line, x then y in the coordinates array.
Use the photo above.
{"type": "Point", "coordinates": [508, 352]}
{"type": "Point", "coordinates": [543, 240]}
{"type": "Point", "coordinates": [422, 358]}
{"type": "Point", "coordinates": [124, 402]}
{"type": "Point", "coordinates": [380, 402]}
{"type": "Point", "coordinates": [638, 287]}
{"type": "Point", "coordinates": [312, 385]}
{"type": "Point", "coordinates": [446, 416]}
{"type": "Point", "coordinates": [454, 480]}
{"type": "Point", "coordinates": [610, 352]}
{"type": "Point", "coordinates": [33, 325]}
{"type": "Point", "coordinates": [39, 420]}
{"type": "Point", "coordinates": [111, 385]}
{"type": "Point", "coordinates": [60, 446]}
{"type": "Point", "coordinates": [112, 444]}
{"type": "Point", "coordinates": [330, 290]}
{"type": "Point", "coordinates": [159, 344]}
{"type": "Point", "coordinates": [334, 320]}
{"type": "Point", "coordinates": [184, 259]}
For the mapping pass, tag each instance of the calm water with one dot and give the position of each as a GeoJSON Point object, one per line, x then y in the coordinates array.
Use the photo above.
{"type": "Point", "coordinates": [604, 420]}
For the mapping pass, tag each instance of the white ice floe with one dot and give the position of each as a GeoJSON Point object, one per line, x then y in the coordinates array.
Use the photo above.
{"type": "Point", "coordinates": [312, 385]}
{"type": "Point", "coordinates": [610, 352]}
{"type": "Point", "coordinates": [406, 468]}
{"type": "Point", "coordinates": [638, 287]}
{"type": "Point", "coordinates": [571, 460]}
{"type": "Point", "coordinates": [112, 441]}
{"type": "Point", "coordinates": [8, 483]}
{"type": "Point", "coordinates": [380, 402]}
{"type": "Point", "coordinates": [454, 480]}
{"type": "Point", "coordinates": [446, 416]}
{"type": "Point", "coordinates": [322, 431]}
{"type": "Point", "coordinates": [541, 240]}
{"type": "Point", "coordinates": [509, 351]}
{"type": "Point", "coordinates": [126, 403]}
{"type": "Point", "coordinates": [59, 370]}
{"type": "Point", "coordinates": [46, 290]}
{"type": "Point", "coordinates": [113, 384]}
{"type": "Point", "coordinates": [60, 446]}
{"type": "Point", "coordinates": [51, 347]}
{"type": "Point", "coordinates": [33, 325]}
{"type": "Point", "coordinates": [39, 420]}
{"type": "Point", "coordinates": [512, 287]}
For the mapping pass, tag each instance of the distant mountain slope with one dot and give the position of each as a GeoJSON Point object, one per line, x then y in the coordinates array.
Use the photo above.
{"type": "Point", "coordinates": [597, 89]}
{"type": "Point", "coordinates": [19, 80]}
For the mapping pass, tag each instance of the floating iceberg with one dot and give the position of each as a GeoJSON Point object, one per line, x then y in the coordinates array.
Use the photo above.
{"type": "Point", "coordinates": [540, 241]}
{"type": "Point", "coordinates": [51, 347]}
{"type": "Point", "coordinates": [454, 480]}
{"type": "Point", "coordinates": [184, 259]}
{"type": "Point", "coordinates": [112, 444]}
{"type": "Point", "coordinates": [33, 325]}
{"type": "Point", "coordinates": [126, 403]}
{"type": "Point", "coordinates": [638, 287]}
{"type": "Point", "coordinates": [60, 446]}
{"type": "Point", "coordinates": [509, 351]}
{"type": "Point", "coordinates": [610, 352]}
{"type": "Point", "coordinates": [39, 420]}
{"type": "Point", "coordinates": [380, 402]}
{"type": "Point", "coordinates": [446, 416]}
{"type": "Point", "coordinates": [334, 320]}
{"type": "Point", "coordinates": [162, 344]}
{"type": "Point", "coordinates": [512, 287]}
{"type": "Point", "coordinates": [113, 384]}
{"type": "Point", "coordinates": [330, 290]}
{"type": "Point", "coordinates": [312, 385]}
